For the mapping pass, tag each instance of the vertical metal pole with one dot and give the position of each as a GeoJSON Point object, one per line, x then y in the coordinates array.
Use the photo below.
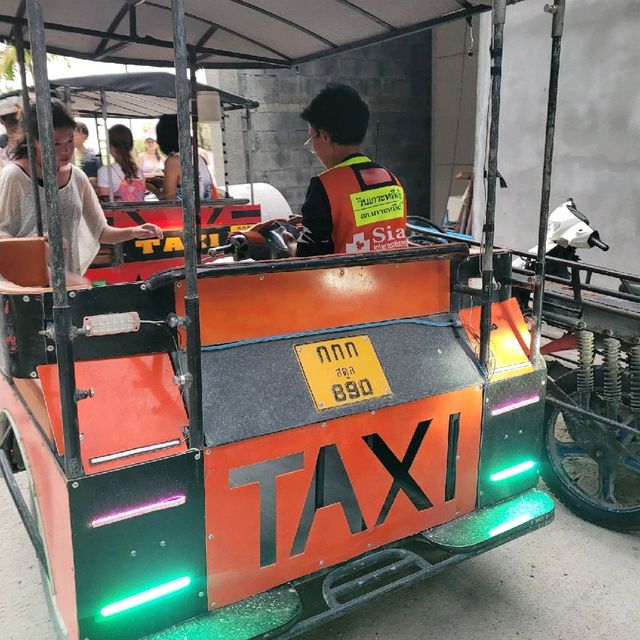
{"type": "Point", "coordinates": [249, 154]}
{"type": "Point", "coordinates": [61, 311]}
{"type": "Point", "coordinates": [225, 157]}
{"type": "Point", "coordinates": [95, 122]}
{"type": "Point", "coordinates": [26, 120]}
{"type": "Point", "coordinates": [196, 155]}
{"type": "Point", "coordinates": [191, 300]}
{"type": "Point", "coordinates": [103, 104]}
{"type": "Point", "coordinates": [499, 14]}
{"type": "Point", "coordinates": [556, 39]}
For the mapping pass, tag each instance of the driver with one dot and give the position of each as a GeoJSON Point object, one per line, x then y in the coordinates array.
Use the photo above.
{"type": "Point", "coordinates": [356, 205]}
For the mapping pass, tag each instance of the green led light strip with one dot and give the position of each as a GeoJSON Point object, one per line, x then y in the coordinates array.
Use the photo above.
{"type": "Point", "coordinates": [512, 471]}
{"type": "Point", "coordinates": [511, 524]}
{"type": "Point", "coordinates": [488, 524]}
{"type": "Point", "coordinates": [145, 596]}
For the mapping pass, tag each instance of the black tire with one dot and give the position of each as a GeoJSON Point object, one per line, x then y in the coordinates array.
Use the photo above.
{"type": "Point", "coordinates": [44, 574]}
{"type": "Point", "coordinates": [33, 509]}
{"type": "Point", "coordinates": [10, 444]}
{"type": "Point", "coordinates": [617, 516]}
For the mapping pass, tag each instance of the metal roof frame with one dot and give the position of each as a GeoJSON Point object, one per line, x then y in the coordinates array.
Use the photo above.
{"type": "Point", "coordinates": [140, 95]}
{"type": "Point", "coordinates": [204, 21]}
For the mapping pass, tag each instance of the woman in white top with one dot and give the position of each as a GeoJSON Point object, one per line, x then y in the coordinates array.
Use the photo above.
{"type": "Point", "coordinates": [167, 135]}
{"type": "Point", "coordinates": [150, 162]}
{"type": "Point", "coordinates": [84, 226]}
{"type": "Point", "coordinates": [127, 181]}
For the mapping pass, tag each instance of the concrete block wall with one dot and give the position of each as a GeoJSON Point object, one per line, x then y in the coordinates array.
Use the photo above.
{"type": "Point", "coordinates": [394, 79]}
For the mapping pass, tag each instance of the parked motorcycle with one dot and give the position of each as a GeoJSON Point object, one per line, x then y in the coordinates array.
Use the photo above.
{"type": "Point", "coordinates": [567, 231]}
{"type": "Point", "coordinates": [591, 448]}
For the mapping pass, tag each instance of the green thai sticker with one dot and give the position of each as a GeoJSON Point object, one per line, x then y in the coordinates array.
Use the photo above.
{"type": "Point", "coordinates": [377, 205]}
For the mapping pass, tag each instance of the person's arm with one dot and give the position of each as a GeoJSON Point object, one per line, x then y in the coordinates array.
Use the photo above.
{"type": "Point", "coordinates": [11, 195]}
{"type": "Point", "coordinates": [114, 235]}
{"type": "Point", "coordinates": [5, 203]}
{"type": "Point", "coordinates": [171, 177]}
{"type": "Point", "coordinates": [317, 227]}
{"type": "Point", "coordinates": [102, 182]}
{"type": "Point", "coordinates": [94, 217]}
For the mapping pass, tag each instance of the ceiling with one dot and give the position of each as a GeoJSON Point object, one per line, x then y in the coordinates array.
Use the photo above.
{"type": "Point", "coordinates": [230, 33]}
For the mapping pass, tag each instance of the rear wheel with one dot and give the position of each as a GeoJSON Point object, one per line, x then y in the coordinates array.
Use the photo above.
{"type": "Point", "coordinates": [45, 575]}
{"type": "Point", "coordinates": [598, 479]}
{"type": "Point", "coordinates": [13, 446]}
{"type": "Point", "coordinates": [9, 444]}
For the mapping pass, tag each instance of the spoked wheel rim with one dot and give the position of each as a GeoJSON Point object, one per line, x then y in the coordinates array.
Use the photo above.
{"type": "Point", "coordinates": [599, 482]}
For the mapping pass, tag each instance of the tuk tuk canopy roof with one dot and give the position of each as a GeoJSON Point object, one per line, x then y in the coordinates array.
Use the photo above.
{"type": "Point", "coordinates": [127, 95]}
{"type": "Point", "coordinates": [230, 33]}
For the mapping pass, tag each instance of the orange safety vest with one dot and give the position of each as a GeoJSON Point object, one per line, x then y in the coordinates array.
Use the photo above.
{"type": "Point", "coordinates": [368, 207]}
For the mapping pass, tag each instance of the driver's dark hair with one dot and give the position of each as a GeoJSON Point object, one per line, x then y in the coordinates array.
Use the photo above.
{"type": "Point", "coordinates": [61, 119]}
{"type": "Point", "coordinates": [167, 134]}
{"type": "Point", "coordinates": [340, 111]}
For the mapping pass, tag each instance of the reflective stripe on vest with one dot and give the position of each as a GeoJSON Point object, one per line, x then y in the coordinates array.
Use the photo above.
{"type": "Point", "coordinates": [368, 207]}
{"type": "Point", "coordinates": [349, 162]}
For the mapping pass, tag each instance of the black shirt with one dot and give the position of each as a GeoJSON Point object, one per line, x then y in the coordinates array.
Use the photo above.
{"type": "Point", "coordinates": [317, 224]}
{"type": "Point", "coordinates": [90, 162]}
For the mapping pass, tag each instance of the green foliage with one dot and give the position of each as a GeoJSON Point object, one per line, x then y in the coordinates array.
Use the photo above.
{"type": "Point", "coordinates": [9, 68]}
{"type": "Point", "coordinates": [204, 136]}
{"type": "Point", "coordinates": [8, 63]}
{"type": "Point", "coordinates": [138, 147]}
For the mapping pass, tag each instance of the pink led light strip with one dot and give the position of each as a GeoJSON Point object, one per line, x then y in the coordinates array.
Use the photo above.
{"type": "Point", "coordinates": [514, 404]}
{"type": "Point", "coordinates": [118, 516]}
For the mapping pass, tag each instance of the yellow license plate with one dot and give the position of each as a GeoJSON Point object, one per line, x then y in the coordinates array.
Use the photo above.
{"type": "Point", "coordinates": [342, 371]}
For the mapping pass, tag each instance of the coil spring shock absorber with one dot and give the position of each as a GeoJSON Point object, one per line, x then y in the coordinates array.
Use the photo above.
{"type": "Point", "coordinates": [612, 377]}
{"type": "Point", "coordinates": [634, 383]}
{"type": "Point", "coordinates": [585, 368]}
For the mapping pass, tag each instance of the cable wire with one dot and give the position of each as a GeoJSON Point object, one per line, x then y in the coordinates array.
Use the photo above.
{"type": "Point", "coordinates": [318, 332]}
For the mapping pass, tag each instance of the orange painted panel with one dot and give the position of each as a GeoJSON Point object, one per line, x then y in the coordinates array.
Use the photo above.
{"type": "Point", "coordinates": [24, 261]}
{"type": "Point", "coordinates": [53, 505]}
{"type": "Point", "coordinates": [237, 565]}
{"type": "Point", "coordinates": [136, 404]}
{"type": "Point", "coordinates": [250, 306]}
{"type": "Point", "coordinates": [510, 339]}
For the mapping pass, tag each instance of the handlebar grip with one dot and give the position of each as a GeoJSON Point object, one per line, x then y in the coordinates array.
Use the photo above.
{"type": "Point", "coordinates": [237, 243]}
{"type": "Point", "coordinates": [594, 241]}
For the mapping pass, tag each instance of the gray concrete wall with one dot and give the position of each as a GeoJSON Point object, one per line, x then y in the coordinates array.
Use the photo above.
{"type": "Point", "coordinates": [393, 78]}
{"type": "Point", "coordinates": [233, 139]}
{"type": "Point", "coordinates": [597, 150]}
{"type": "Point", "coordinates": [454, 107]}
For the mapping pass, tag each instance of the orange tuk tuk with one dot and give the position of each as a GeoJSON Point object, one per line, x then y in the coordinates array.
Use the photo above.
{"type": "Point", "coordinates": [250, 449]}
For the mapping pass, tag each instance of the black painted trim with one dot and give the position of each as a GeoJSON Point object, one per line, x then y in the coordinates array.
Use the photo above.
{"type": "Point", "coordinates": [318, 262]}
